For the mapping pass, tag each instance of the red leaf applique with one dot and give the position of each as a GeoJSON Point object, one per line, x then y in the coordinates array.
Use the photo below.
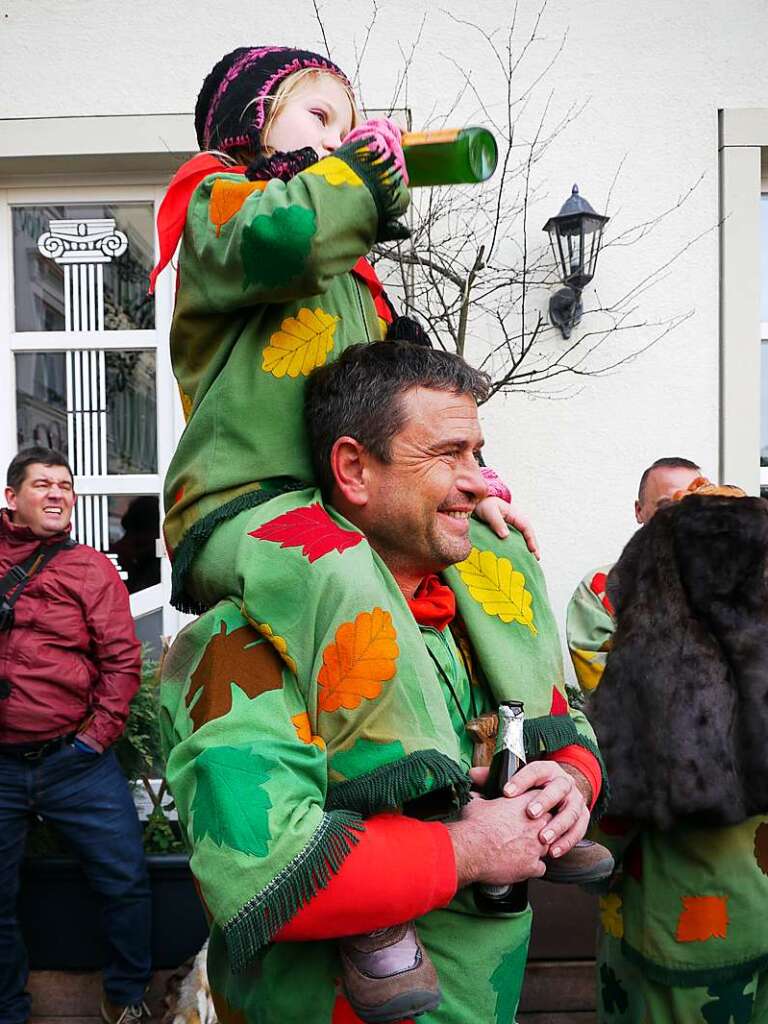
{"type": "Point", "coordinates": [559, 703]}
{"type": "Point", "coordinates": [311, 528]}
{"type": "Point", "coordinates": [597, 586]}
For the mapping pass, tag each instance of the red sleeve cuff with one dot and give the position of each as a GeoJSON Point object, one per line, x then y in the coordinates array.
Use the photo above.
{"type": "Point", "coordinates": [582, 759]}
{"type": "Point", "coordinates": [400, 869]}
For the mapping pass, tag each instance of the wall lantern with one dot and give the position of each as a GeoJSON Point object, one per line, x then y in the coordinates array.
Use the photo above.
{"type": "Point", "coordinates": [575, 235]}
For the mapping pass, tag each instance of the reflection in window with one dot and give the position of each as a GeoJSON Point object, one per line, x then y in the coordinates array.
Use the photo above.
{"type": "Point", "coordinates": [149, 632]}
{"type": "Point", "coordinates": [97, 407]}
{"type": "Point", "coordinates": [83, 267]}
{"type": "Point", "coordinates": [131, 413]}
{"type": "Point", "coordinates": [41, 400]}
{"type": "Point", "coordinates": [134, 527]}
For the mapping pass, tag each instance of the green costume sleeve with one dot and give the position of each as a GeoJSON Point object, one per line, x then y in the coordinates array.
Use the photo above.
{"type": "Point", "coordinates": [249, 780]}
{"type": "Point", "coordinates": [252, 242]}
{"type": "Point", "coordinates": [589, 628]}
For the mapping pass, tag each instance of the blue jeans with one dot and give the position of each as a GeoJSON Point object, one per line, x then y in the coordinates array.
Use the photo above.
{"type": "Point", "coordinates": [86, 796]}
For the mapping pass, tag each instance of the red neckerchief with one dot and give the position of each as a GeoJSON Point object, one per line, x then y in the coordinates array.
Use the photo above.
{"type": "Point", "coordinates": [173, 215]}
{"type": "Point", "coordinates": [433, 604]}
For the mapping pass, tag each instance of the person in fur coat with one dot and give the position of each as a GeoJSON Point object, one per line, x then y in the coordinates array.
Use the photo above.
{"type": "Point", "coordinates": [681, 714]}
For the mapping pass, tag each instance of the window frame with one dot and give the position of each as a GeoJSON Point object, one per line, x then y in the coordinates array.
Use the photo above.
{"type": "Point", "coordinates": [81, 188]}
{"type": "Point", "coordinates": [743, 138]}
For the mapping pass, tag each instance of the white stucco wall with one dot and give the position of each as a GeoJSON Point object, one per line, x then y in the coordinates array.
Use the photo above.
{"type": "Point", "coordinates": [653, 76]}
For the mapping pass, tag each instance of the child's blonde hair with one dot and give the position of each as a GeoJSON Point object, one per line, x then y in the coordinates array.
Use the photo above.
{"type": "Point", "coordinates": [289, 87]}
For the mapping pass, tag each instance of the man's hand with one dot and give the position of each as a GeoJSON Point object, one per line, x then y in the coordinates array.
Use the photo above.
{"type": "Point", "coordinates": [553, 797]}
{"type": "Point", "coordinates": [497, 841]}
{"type": "Point", "coordinates": [497, 513]}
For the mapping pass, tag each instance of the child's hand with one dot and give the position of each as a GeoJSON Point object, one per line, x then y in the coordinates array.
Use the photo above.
{"type": "Point", "coordinates": [384, 137]}
{"type": "Point", "coordinates": [497, 513]}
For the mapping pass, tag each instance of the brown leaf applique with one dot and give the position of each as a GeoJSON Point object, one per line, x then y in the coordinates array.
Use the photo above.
{"type": "Point", "coordinates": [241, 657]}
{"type": "Point", "coordinates": [761, 846]}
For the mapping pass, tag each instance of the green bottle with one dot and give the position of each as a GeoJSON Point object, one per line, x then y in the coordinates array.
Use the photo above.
{"type": "Point", "coordinates": [453, 156]}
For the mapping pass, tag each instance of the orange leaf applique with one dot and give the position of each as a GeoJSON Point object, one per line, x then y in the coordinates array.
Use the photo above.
{"type": "Point", "coordinates": [702, 918]}
{"type": "Point", "coordinates": [362, 657]}
{"type": "Point", "coordinates": [304, 730]}
{"type": "Point", "coordinates": [241, 657]}
{"type": "Point", "coordinates": [227, 197]}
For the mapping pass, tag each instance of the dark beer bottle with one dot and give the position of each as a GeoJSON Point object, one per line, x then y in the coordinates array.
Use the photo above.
{"type": "Point", "coordinates": [452, 156]}
{"type": "Point", "coordinates": [508, 758]}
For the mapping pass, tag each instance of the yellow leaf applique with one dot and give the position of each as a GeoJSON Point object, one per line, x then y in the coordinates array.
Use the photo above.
{"type": "Point", "coordinates": [227, 197]}
{"type": "Point", "coordinates": [362, 656]}
{"type": "Point", "coordinates": [611, 916]}
{"type": "Point", "coordinates": [186, 404]}
{"type": "Point", "coordinates": [302, 343]}
{"type": "Point", "coordinates": [277, 641]}
{"type": "Point", "coordinates": [496, 585]}
{"type": "Point", "coordinates": [335, 171]}
{"type": "Point", "coordinates": [589, 666]}
{"type": "Point", "coordinates": [304, 730]}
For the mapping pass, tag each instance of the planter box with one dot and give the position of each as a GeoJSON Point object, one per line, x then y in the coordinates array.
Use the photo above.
{"type": "Point", "coordinates": [61, 922]}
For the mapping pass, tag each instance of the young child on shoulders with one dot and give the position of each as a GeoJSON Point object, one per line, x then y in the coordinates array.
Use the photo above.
{"type": "Point", "coordinates": [276, 216]}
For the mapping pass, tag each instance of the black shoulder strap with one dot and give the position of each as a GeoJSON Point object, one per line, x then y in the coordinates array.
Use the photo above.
{"type": "Point", "coordinates": [18, 575]}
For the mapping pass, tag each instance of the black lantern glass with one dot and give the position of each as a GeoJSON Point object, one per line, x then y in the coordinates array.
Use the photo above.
{"type": "Point", "coordinates": [575, 235]}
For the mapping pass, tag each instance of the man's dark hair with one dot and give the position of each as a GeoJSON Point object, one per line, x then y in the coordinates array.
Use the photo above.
{"type": "Point", "coordinates": [672, 462]}
{"type": "Point", "coordinates": [17, 470]}
{"type": "Point", "coordinates": [360, 395]}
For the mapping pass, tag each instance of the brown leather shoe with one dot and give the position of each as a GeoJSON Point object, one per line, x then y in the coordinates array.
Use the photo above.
{"type": "Point", "coordinates": [387, 975]}
{"type": "Point", "coordinates": [585, 862]}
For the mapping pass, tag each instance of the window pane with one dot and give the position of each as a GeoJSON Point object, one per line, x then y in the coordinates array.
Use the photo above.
{"type": "Point", "coordinates": [764, 404]}
{"type": "Point", "coordinates": [41, 400]}
{"type": "Point", "coordinates": [83, 267]}
{"type": "Point", "coordinates": [131, 412]}
{"type": "Point", "coordinates": [134, 527]}
{"type": "Point", "coordinates": [97, 407]}
{"type": "Point", "coordinates": [764, 258]}
{"type": "Point", "coordinates": [149, 631]}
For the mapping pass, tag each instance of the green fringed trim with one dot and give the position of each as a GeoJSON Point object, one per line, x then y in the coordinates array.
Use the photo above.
{"type": "Point", "coordinates": [197, 535]}
{"type": "Point", "coordinates": [309, 871]}
{"type": "Point", "coordinates": [697, 977]}
{"type": "Point", "coordinates": [392, 785]}
{"type": "Point", "coordinates": [550, 733]}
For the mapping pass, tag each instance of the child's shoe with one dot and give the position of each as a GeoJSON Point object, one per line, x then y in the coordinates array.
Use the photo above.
{"type": "Point", "coordinates": [388, 975]}
{"type": "Point", "coordinates": [585, 862]}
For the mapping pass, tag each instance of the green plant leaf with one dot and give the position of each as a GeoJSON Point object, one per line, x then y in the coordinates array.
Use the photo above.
{"type": "Point", "coordinates": [229, 804]}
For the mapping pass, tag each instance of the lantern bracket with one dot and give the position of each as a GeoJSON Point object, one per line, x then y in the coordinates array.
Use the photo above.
{"type": "Point", "coordinates": [565, 309]}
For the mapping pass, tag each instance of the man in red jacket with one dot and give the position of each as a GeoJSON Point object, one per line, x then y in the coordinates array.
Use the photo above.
{"type": "Point", "coordinates": [69, 666]}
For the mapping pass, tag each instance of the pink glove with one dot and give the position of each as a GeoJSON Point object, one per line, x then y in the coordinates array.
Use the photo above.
{"type": "Point", "coordinates": [383, 137]}
{"type": "Point", "coordinates": [496, 486]}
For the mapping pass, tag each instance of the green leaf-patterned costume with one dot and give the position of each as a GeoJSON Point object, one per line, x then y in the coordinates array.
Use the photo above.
{"type": "Point", "coordinates": [305, 698]}
{"type": "Point", "coordinates": [681, 937]}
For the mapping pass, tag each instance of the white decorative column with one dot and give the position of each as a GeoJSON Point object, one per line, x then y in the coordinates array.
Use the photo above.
{"type": "Point", "coordinates": [82, 247]}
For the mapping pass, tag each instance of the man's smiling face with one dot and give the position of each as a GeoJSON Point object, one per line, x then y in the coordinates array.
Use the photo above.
{"type": "Point", "coordinates": [417, 516]}
{"type": "Point", "coordinates": [44, 500]}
